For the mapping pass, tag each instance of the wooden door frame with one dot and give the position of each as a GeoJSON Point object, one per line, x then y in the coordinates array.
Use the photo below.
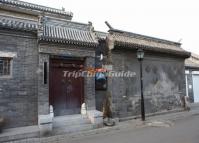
{"type": "Point", "coordinates": [69, 60]}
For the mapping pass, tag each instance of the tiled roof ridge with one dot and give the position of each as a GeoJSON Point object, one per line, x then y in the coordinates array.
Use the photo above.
{"type": "Point", "coordinates": [36, 7]}
{"type": "Point", "coordinates": [101, 34]}
{"type": "Point", "coordinates": [143, 37]}
{"type": "Point", "coordinates": [67, 23]}
{"type": "Point", "coordinates": [16, 23]}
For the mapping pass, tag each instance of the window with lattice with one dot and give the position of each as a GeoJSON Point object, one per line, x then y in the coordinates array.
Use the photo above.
{"type": "Point", "coordinates": [5, 66]}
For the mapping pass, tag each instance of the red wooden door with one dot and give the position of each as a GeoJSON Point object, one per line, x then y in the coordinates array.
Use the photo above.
{"type": "Point", "coordinates": [66, 93]}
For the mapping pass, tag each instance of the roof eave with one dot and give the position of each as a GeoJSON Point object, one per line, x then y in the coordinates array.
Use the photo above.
{"type": "Point", "coordinates": [72, 42]}
{"type": "Point", "coordinates": [18, 29]}
{"type": "Point", "coordinates": [183, 54]}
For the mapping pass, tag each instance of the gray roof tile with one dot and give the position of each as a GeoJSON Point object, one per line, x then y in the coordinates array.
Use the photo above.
{"type": "Point", "coordinates": [191, 64]}
{"type": "Point", "coordinates": [123, 38]}
{"type": "Point", "coordinates": [35, 7]}
{"type": "Point", "coordinates": [57, 31]}
{"type": "Point", "coordinates": [68, 35]}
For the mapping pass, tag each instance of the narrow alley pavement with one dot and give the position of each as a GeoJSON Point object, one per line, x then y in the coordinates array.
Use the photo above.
{"type": "Point", "coordinates": [183, 131]}
{"type": "Point", "coordinates": [179, 127]}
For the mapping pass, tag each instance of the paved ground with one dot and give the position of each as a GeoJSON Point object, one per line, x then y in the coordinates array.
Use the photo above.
{"type": "Point", "coordinates": [182, 131]}
{"type": "Point", "coordinates": [181, 127]}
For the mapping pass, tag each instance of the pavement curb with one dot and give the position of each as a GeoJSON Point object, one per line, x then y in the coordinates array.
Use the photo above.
{"type": "Point", "coordinates": [152, 114]}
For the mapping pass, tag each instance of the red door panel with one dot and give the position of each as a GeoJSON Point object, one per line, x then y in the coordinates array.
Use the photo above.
{"type": "Point", "coordinates": [66, 93]}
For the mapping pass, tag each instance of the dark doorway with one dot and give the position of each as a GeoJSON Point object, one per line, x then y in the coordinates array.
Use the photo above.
{"type": "Point", "coordinates": [66, 92]}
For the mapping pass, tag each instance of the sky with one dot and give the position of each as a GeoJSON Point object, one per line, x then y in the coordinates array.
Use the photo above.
{"type": "Point", "coordinates": [175, 20]}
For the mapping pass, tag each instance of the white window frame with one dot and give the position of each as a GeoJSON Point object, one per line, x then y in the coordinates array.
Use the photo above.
{"type": "Point", "coordinates": [195, 72]}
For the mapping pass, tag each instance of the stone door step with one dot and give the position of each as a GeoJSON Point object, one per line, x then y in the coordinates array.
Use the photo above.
{"type": "Point", "coordinates": [70, 124]}
{"type": "Point", "coordinates": [69, 118]}
{"type": "Point", "coordinates": [72, 129]}
{"type": "Point", "coordinates": [57, 124]}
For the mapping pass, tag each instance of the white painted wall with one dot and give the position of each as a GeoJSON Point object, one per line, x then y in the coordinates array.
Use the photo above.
{"type": "Point", "coordinates": [196, 88]}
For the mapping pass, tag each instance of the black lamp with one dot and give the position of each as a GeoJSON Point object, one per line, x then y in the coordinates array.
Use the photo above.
{"type": "Point", "coordinates": [140, 57]}
{"type": "Point", "coordinates": [140, 54]}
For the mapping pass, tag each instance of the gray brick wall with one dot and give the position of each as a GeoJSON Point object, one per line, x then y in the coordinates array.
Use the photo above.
{"type": "Point", "coordinates": [18, 94]}
{"type": "Point", "coordinates": [89, 85]}
{"type": "Point", "coordinates": [164, 83]}
{"type": "Point", "coordinates": [43, 89]}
